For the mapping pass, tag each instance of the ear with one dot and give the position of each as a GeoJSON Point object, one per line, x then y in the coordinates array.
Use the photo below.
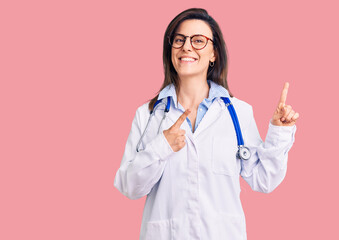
{"type": "Point", "coordinates": [213, 55]}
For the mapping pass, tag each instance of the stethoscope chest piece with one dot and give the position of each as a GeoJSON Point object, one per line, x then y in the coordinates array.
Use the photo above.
{"type": "Point", "coordinates": [244, 153]}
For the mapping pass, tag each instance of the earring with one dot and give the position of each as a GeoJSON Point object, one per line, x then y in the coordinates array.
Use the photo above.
{"type": "Point", "coordinates": [211, 65]}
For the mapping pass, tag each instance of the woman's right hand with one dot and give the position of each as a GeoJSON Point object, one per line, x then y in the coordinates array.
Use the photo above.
{"type": "Point", "coordinates": [176, 136]}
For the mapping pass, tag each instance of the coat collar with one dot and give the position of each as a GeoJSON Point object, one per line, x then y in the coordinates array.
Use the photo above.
{"type": "Point", "coordinates": [215, 91]}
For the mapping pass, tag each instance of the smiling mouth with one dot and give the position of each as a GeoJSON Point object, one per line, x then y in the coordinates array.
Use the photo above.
{"type": "Point", "coordinates": [187, 60]}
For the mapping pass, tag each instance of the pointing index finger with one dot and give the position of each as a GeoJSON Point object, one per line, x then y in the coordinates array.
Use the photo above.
{"type": "Point", "coordinates": [182, 118]}
{"type": "Point", "coordinates": [284, 94]}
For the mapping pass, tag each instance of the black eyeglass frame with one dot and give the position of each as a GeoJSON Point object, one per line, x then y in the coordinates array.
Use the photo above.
{"type": "Point", "coordinates": [207, 38]}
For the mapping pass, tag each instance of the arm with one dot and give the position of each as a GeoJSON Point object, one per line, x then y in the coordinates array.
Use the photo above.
{"type": "Point", "coordinates": [266, 168]}
{"type": "Point", "coordinates": [140, 171]}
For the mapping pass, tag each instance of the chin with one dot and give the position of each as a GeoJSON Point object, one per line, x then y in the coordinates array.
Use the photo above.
{"type": "Point", "coordinates": [188, 74]}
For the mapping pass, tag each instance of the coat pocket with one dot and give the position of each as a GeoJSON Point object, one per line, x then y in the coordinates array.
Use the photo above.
{"type": "Point", "coordinates": [160, 230]}
{"type": "Point", "coordinates": [232, 227]}
{"type": "Point", "coordinates": [224, 156]}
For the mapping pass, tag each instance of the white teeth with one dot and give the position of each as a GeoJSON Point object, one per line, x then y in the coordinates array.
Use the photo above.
{"type": "Point", "coordinates": [188, 59]}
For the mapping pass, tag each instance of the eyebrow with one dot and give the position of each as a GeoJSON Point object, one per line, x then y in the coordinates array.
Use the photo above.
{"type": "Point", "coordinates": [192, 35]}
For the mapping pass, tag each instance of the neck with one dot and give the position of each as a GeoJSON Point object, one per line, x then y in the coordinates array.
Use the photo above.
{"type": "Point", "coordinates": [192, 92]}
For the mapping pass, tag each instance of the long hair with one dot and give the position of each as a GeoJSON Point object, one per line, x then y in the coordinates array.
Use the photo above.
{"type": "Point", "coordinates": [217, 73]}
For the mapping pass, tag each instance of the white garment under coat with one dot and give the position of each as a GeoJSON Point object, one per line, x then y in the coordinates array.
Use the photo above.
{"type": "Point", "coordinates": [195, 193]}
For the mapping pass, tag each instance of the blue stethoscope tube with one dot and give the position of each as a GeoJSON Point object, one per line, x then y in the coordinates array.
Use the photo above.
{"type": "Point", "coordinates": [242, 153]}
{"type": "Point", "coordinates": [234, 119]}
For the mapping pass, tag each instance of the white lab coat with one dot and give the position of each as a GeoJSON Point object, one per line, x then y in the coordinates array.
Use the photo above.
{"type": "Point", "coordinates": [195, 193]}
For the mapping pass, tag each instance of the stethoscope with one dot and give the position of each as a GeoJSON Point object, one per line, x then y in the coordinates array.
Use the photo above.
{"type": "Point", "coordinates": [243, 152]}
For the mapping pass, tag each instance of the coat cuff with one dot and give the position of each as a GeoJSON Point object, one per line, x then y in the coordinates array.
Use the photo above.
{"type": "Point", "coordinates": [161, 147]}
{"type": "Point", "coordinates": [278, 135]}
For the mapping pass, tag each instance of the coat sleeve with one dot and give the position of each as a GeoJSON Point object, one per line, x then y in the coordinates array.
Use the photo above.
{"type": "Point", "coordinates": [140, 171]}
{"type": "Point", "coordinates": [267, 167]}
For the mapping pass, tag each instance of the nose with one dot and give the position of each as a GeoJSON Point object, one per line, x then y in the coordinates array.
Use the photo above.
{"type": "Point", "coordinates": [187, 44]}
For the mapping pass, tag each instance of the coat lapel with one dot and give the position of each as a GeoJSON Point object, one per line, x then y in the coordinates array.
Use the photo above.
{"type": "Point", "coordinates": [173, 116]}
{"type": "Point", "coordinates": [213, 113]}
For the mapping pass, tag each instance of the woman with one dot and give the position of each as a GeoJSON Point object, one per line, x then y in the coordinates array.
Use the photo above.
{"type": "Point", "coordinates": [186, 161]}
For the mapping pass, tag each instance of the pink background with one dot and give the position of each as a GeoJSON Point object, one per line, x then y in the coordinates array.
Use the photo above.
{"type": "Point", "coordinates": [74, 72]}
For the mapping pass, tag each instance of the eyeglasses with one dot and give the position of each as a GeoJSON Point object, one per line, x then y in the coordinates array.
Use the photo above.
{"type": "Point", "coordinates": [198, 41]}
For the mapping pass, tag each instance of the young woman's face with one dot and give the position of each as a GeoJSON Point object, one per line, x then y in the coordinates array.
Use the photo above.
{"type": "Point", "coordinates": [202, 57]}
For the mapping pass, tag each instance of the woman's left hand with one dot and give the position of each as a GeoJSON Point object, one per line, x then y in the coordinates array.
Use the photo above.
{"type": "Point", "coordinates": [284, 115]}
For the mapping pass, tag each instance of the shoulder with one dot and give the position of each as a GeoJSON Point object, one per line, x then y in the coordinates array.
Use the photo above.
{"type": "Point", "coordinates": [142, 114]}
{"type": "Point", "coordinates": [142, 109]}
{"type": "Point", "coordinates": [243, 110]}
{"type": "Point", "coordinates": [242, 106]}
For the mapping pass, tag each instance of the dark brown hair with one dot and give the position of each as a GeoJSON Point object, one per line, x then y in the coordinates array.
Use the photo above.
{"type": "Point", "coordinates": [217, 73]}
